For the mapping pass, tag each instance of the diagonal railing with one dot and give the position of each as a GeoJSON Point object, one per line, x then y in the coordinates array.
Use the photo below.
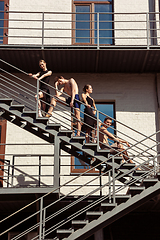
{"type": "Point", "coordinates": [151, 137]}
{"type": "Point", "coordinates": [27, 98]}
{"type": "Point", "coordinates": [151, 172]}
{"type": "Point", "coordinates": [114, 179]}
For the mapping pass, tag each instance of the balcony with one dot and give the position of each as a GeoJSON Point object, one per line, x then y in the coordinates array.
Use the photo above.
{"type": "Point", "coordinates": [107, 42]}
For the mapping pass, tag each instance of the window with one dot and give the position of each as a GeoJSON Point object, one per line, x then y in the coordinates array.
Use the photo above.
{"type": "Point", "coordinates": [4, 21]}
{"type": "Point", "coordinates": [2, 147]}
{"type": "Point", "coordinates": [93, 22]}
{"type": "Point", "coordinates": [107, 108]}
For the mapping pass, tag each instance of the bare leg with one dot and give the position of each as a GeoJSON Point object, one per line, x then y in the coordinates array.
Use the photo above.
{"type": "Point", "coordinates": [77, 116]}
{"type": "Point", "coordinates": [53, 103]}
{"type": "Point", "coordinates": [39, 103]}
{"type": "Point", "coordinates": [88, 135]}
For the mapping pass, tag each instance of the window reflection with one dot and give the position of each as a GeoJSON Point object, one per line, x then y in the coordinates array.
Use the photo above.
{"type": "Point", "coordinates": [1, 21]}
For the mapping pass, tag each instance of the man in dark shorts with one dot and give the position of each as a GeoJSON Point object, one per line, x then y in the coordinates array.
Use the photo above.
{"type": "Point", "coordinates": [71, 88]}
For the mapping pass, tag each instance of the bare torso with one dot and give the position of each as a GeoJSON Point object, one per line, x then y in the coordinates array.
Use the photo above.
{"type": "Point", "coordinates": [71, 87]}
{"type": "Point", "coordinates": [103, 138]}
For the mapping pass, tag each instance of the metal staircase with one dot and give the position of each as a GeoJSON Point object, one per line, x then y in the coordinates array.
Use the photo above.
{"type": "Point", "coordinates": [71, 216]}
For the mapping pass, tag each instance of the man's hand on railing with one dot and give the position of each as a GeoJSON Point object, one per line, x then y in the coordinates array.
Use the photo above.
{"type": "Point", "coordinates": [32, 76]}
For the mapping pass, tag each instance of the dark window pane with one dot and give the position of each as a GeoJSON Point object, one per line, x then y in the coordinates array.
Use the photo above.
{"type": "Point", "coordinates": [82, 24]}
{"type": "Point", "coordinates": [1, 21]}
{"type": "Point", "coordinates": [105, 22]}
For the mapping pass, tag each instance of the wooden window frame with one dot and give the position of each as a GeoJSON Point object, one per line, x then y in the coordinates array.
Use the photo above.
{"type": "Point", "coordinates": [3, 125]}
{"type": "Point", "coordinates": [6, 21]}
{"type": "Point", "coordinates": [91, 4]}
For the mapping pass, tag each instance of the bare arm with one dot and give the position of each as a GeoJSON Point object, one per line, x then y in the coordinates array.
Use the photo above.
{"type": "Point", "coordinates": [35, 76]}
{"type": "Point", "coordinates": [49, 73]}
{"type": "Point", "coordinates": [94, 105]}
{"type": "Point", "coordinates": [73, 89]}
{"type": "Point", "coordinates": [85, 100]}
{"type": "Point", "coordinates": [112, 137]}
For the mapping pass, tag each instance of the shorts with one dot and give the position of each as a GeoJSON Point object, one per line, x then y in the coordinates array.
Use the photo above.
{"type": "Point", "coordinates": [113, 149]}
{"type": "Point", "coordinates": [76, 104]}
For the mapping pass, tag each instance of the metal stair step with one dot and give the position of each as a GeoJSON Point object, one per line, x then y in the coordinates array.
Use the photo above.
{"type": "Point", "coordinates": [139, 172]}
{"type": "Point", "coordinates": [55, 126]}
{"type": "Point", "coordinates": [93, 215]}
{"type": "Point", "coordinates": [108, 206]}
{"type": "Point", "coordinates": [121, 198]}
{"type": "Point", "coordinates": [79, 139]}
{"type": "Point", "coordinates": [43, 120]}
{"type": "Point", "coordinates": [67, 133]}
{"type": "Point", "coordinates": [104, 152]}
{"type": "Point", "coordinates": [76, 224]}
{"type": "Point", "coordinates": [127, 166]}
{"type": "Point", "coordinates": [92, 146]}
{"type": "Point", "coordinates": [31, 114]}
{"type": "Point", "coordinates": [62, 233]}
{"type": "Point", "coordinates": [7, 101]}
{"type": "Point", "coordinates": [17, 107]}
{"type": "Point", "coordinates": [148, 182]}
{"type": "Point", "coordinates": [133, 190]}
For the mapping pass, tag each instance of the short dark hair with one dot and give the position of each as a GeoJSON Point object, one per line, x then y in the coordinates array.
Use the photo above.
{"type": "Point", "coordinates": [107, 119]}
{"type": "Point", "coordinates": [57, 78]}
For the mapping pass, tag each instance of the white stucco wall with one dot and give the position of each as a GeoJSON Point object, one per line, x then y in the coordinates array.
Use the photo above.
{"type": "Point", "coordinates": [129, 22]}
{"type": "Point", "coordinates": [135, 105]}
{"type": "Point", "coordinates": [128, 17]}
{"type": "Point", "coordinates": [53, 20]}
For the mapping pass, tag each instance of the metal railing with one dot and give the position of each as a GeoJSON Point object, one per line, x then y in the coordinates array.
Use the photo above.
{"type": "Point", "coordinates": [140, 148]}
{"type": "Point", "coordinates": [109, 29]}
{"type": "Point", "coordinates": [23, 92]}
{"type": "Point", "coordinates": [110, 196]}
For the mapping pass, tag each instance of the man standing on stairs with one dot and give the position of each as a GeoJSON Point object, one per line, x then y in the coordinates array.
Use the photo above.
{"type": "Point", "coordinates": [115, 148]}
{"type": "Point", "coordinates": [71, 88]}
{"type": "Point", "coordinates": [44, 93]}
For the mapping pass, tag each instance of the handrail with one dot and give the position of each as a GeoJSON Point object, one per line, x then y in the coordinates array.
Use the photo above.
{"type": "Point", "coordinates": [142, 29]}
{"type": "Point", "coordinates": [78, 188]}
{"type": "Point", "coordinates": [128, 148]}
{"type": "Point", "coordinates": [73, 107]}
{"type": "Point", "coordinates": [82, 198]}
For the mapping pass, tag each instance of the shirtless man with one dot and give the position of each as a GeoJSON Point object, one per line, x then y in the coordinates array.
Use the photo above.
{"type": "Point", "coordinates": [104, 134]}
{"type": "Point", "coordinates": [71, 88]}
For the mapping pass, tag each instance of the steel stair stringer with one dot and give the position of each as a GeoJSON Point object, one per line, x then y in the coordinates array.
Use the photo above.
{"type": "Point", "coordinates": [118, 212]}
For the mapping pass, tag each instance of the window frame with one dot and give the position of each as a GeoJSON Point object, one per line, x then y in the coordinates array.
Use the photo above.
{"type": "Point", "coordinates": [6, 20]}
{"type": "Point", "coordinates": [93, 172]}
{"type": "Point", "coordinates": [91, 4]}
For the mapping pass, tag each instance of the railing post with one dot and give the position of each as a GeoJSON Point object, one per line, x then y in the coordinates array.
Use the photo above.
{"type": "Point", "coordinates": [113, 178]}
{"type": "Point", "coordinates": [42, 31]}
{"type": "Point", "coordinates": [109, 179]}
{"type": "Point", "coordinates": [37, 98]}
{"type": "Point", "coordinates": [56, 161]}
{"type": "Point", "coordinates": [41, 217]}
{"type": "Point", "coordinates": [97, 30]}
{"type": "Point", "coordinates": [100, 182]}
{"type": "Point", "coordinates": [39, 171]}
{"type": "Point", "coordinates": [97, 130]}
{"type": "Point", "coordinates": [44, 220]}
{"type": "Point", "coordinates": [147, 20]}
